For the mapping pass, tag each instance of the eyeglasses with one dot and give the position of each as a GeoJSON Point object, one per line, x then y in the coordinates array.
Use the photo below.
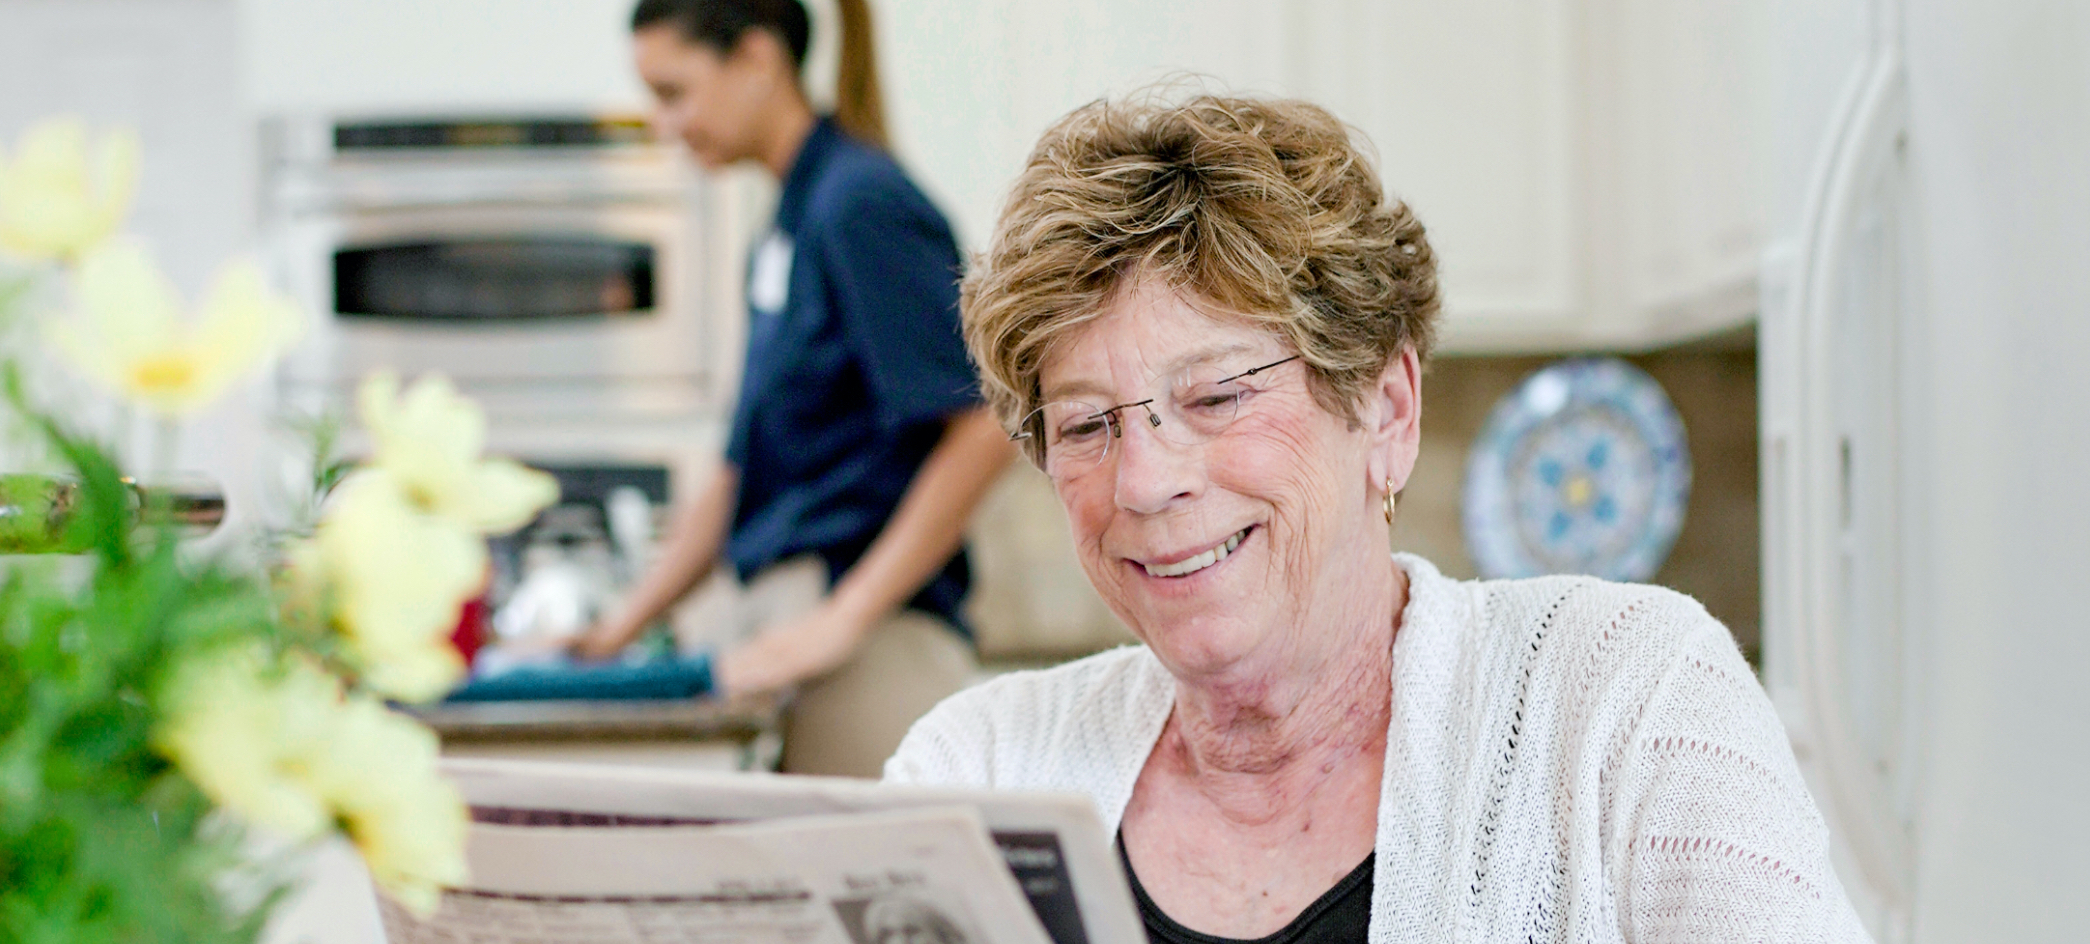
{"type": "Point", "coordinates": [1200, 405]}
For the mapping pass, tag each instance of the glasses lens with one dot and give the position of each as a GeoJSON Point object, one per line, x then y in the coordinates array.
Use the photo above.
{"type": "Point", "coordinates": [1199, 409]}
{"type": "Point", "coordinates": [1075, 435]}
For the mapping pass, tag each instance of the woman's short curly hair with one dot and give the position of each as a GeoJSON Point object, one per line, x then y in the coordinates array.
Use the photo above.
{"type": "Point", "coordinates": [1264, 208]}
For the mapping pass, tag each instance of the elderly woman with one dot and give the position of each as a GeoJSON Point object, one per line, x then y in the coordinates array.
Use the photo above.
{"type": "Point", "coordinates": [1207, 325]}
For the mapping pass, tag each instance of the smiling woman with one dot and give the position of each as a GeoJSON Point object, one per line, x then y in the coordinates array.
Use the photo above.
{"type": "Point", "coordinates": [1207, 324]}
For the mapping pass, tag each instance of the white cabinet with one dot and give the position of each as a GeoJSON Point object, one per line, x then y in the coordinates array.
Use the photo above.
{"type": "Point", "coordinates": [1474, 109]}
{"type": "Point", "coordinates": [1587, 168]}
{"type": "Point", "coordinates": [1672, 142]}
{"type": "Point", "coordinates": [423, 56]}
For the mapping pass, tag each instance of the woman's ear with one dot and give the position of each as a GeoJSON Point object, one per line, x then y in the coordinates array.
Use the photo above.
{"type": "Point", "coordinates": [1393, 419]}
{"type": "Point", "coordinates": [760, 52]}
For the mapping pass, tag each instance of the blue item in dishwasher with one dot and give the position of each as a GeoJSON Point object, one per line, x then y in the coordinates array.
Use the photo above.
{"type": "Point", "coordinates": [679, 677]}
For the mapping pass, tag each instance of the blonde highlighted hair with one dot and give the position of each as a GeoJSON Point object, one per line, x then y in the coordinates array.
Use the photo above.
{"type": "Point", "coordinates": [1263, 208]}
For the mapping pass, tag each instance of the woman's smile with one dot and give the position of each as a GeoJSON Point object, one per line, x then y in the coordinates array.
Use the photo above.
{"type": "Point", "coordinates": [1178, 566]}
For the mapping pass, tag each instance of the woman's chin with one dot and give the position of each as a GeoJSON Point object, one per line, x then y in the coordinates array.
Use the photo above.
{"type": "Point", "coordinates": [1200, 635]}
{"type": "Point", "coordinates": [707, 153]}
{"type": "Point", "coordinates": [1205, 649]}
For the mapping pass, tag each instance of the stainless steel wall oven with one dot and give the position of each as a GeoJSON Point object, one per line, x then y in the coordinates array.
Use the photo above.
{"type": "Point", "coordinates": [549, 265]}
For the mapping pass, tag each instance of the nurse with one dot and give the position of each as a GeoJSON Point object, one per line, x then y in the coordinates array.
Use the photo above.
{"type": "Point", "coordinates": [859, 446]}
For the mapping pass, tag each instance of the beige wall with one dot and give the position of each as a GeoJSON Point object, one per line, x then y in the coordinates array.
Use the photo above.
{"type": "Point", "coordinates": [1031, 602]}
{"type": "Point", "coordinates": [1714, 389]}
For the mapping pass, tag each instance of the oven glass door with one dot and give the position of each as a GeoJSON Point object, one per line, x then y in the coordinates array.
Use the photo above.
{"type": "Point", "coordinates": [488, 278]}
{"type": "Point", "coordinates": [505, 294]}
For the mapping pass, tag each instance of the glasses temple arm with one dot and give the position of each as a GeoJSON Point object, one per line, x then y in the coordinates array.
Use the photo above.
{"type": "Point", "coordinates": [1252, 371]}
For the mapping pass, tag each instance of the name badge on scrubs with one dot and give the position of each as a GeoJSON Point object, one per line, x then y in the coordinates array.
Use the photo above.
{"type": "Point", "coordinates": [769, 284]}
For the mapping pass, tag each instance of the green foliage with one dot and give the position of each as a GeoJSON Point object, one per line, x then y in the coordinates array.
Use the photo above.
{"type": "Point", "coordinates": [321, 434]}
{"type": "Point", "coordinates": [101, 839]}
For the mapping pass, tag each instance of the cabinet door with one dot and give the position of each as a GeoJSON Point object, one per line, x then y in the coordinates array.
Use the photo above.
{"type": "Point", "coordinates": [1472, 108]}
{"type": "Point", "coordinates": [1675, 147]}
{"type": "Point", "coordinates": [1847, 637]}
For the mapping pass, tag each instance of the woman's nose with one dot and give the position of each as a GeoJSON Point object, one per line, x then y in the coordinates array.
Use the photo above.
{"type": "Point", "coordinates": [1153, 473]}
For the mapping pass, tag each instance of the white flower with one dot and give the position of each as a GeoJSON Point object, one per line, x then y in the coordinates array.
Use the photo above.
{"type": "Point", "coordinates": [397, 578]}
{"type": "Point", "coordinates": [246, 732]}
{"type": "Point", "coordinates": [131, 337]}
{"type": "Point", "coordinates": [380, 773]}
{"type": "Point", "coordinates": [429, 441]}
{"type": "Point", "coordinates": [59, 195]}
{"type": "Point", "coordinates": [279, 747]}
{"type": "Point", "coordinates": [400, 549]}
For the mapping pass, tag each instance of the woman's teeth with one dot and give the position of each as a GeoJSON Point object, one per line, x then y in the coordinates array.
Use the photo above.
{"type": "Point", "coordinates": [1194, 564]}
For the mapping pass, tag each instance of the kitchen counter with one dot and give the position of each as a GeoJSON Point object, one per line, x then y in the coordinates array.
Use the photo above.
{"type": "Point", "coordinates": [734, 735]}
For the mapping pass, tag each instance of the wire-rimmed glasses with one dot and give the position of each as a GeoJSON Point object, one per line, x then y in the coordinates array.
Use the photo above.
{"type": "Point", "coordinates": [1073, 436]}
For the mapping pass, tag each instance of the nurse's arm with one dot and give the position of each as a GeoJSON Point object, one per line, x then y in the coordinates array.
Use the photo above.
{"type": "Point", "coordinates": [686, 557]}
{"type": "Point", "coordinates": [924, 532]}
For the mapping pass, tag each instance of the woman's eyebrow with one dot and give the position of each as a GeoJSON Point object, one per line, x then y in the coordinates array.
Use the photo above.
{"type": "Point", "coordinates": [1196, 358]}
{"type": "Point", "coordinates": [1070, 388]}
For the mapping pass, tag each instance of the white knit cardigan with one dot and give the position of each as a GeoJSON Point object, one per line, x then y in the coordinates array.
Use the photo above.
{"type": "Point", "coordinates": [1568, 760]}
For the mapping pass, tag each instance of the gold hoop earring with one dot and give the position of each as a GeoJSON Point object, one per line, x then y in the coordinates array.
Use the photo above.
{"type": "Point", "coordinates": [1389, 502]}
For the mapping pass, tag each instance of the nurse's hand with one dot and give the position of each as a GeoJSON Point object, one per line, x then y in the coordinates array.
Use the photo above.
{"type": "Point", "coordinates": [788, 653]}
{"type": "Point", "coordinates": [600, 642]}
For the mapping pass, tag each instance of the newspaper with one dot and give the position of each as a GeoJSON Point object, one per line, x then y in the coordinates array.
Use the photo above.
{"type": "Point", "coordinates": [910, 875]}
{"type": "Point", "coordinates": [569, 853]}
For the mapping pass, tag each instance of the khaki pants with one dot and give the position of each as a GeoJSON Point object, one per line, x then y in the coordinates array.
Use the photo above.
{"type": "Point", "coordinates": [847, 722]}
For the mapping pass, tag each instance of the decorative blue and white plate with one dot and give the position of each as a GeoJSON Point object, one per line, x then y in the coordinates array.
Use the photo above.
{"type": "Point", "coordinates": [1582, 469]}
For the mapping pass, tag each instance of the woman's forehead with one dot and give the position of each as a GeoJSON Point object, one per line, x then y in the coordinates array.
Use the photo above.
{"type": "Point", "coordinates": [1142, 335]}
{"type": "Point", "coordinates": [661, 52]}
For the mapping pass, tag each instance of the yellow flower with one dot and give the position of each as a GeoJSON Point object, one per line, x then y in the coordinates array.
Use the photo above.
{"type": "Point", "coordinates": [281, 749]}
{"type": "Point", "coordinates": [136, 343]}
{"type": "Point", "coordinates": [246, 734]}
{"type": "Point", "coordinates": [380, 773]}
{"type": "Point", "coordinates": [397, 578]}
{"type": "Point", "coordinates": [59, 196]}
{"type": "Point", "coordinates": [398, 551]}
{"type": "Point", "coordinates": [429, 441]}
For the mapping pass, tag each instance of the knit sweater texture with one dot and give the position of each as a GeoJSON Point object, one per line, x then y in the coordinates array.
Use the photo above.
{"type": "Point", "coordinates": [1568, 759]}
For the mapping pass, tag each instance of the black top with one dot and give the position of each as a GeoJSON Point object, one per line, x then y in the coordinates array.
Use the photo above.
{"type": "Point", "coordinates": [1342, 915]}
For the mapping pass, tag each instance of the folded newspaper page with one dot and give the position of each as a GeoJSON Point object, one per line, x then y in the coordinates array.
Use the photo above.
{"type": "Point", "coordinates": [924, 875]}
{"type": "Point", "coordinates": [1052, 852]}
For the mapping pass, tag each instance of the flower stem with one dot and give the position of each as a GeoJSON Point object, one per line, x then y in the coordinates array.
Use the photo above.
{"type": "Point", "coordinates": [166, 437]}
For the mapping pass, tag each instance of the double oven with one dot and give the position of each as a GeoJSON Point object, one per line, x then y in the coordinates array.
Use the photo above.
{"type": "Point", "coordinates": [557, 269]}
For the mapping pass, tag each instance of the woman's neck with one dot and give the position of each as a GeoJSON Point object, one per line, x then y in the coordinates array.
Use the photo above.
{"type": "Point", "coordinates": [784, 136]}
{"type": "Point", "coordinates": [1254, 744]}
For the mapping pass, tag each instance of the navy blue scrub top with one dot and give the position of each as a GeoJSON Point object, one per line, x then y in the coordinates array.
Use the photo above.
{"type": "Point", "coordinates": [854, 362]}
